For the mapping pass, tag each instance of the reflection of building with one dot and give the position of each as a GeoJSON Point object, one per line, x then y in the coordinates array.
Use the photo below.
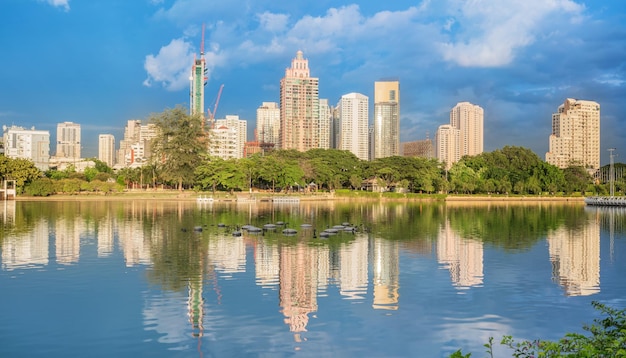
{"type": "Point", "coordinates": [353, 268]}
{"type": "Point", "coordinates": [266, 264]}
{"type": "Point", "coordinates": [135, 247]}
{"type": "Point", "coordinates": [227, 253]}
{"type": "Point", "coordinates": [26, 250]}
{"type": "Point", "coordinates": [385, 262]}
{"type": "Point", "coordinates": [105, 237]}
{"type": "Point", "coordinates": [298, 285]}
{"type": "Point", "coordinates": [67, 240]}
{"type": "Point", "coordinates": [195, 305]}
{"type": "Point", "coordinates": [575, 257]}
{"type": "Point", "coordinates": [463, 257]}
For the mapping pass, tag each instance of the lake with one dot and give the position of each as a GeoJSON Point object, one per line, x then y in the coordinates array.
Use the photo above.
{"type": "Point", "coordinates": [175, 279]}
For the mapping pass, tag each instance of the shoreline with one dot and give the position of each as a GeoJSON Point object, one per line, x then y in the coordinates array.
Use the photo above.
{"type": "Point", "coordinates": [266, 197]}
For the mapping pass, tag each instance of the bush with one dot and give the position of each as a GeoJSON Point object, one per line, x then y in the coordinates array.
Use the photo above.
{"type": "Point", "coordinates": [40, 187]}
{"type": "Point", "coordinates": [607, 339]}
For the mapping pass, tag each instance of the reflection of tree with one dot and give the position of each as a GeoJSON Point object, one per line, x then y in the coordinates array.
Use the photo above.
{"type": "Point", "coordinates": [513, 226]}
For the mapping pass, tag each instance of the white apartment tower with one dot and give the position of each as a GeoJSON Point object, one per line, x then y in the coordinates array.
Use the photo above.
{"type": "Point", "coordinates": [447, 146]}
{"type": "Point", "coordinates": [325, 121]}
{"type": "Point", "coordinates": [575, 138]}
{"type": "Point", "coordinates": [68, 140]}
{"type": "Point", "coordinates": [27, 144]}
{"type": "Point", "coordinates": [268, 123]}
{"type": "Point", "coordinates": [468, 119]}
{"type": "Point", "coordinates": [353, 118]}
{"type": "Point", "coordinates": [106, 149]}
{"type": "Point", "coordinates": [386, 119]}
{"type": "Point", "coordinates": [299, 107]}
{"type": "Point", "coordinates": [228, 137]}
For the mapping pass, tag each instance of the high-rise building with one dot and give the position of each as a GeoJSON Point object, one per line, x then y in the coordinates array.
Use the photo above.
{"type": "Point", "coordinates": [325, 121]}
{"type": "Point", "coordinates": [299, 107]}
{"type": "Point", "coordinates": [468, 119]}
{"type": "Point", "coordinates": [135, 148]}
{"type": "Point", "coordinates": [197, 80]}
{"type": "Point", "coordinates": [68, 140]}
{"type": "Point", "coordinates": [268, 123]}
{"type": "Point", "coordinates": [447, 144]}
{"type": "Point", "coordinates": [228, 137]}
{"type": "Point", "coordinates": [106, 149]}
{"type": "Point", "coordinates": [386, 119]}
{"type": "Point", "coordinates": [463, 136]}
{"type": "Point", "coordinates": [354, 117]}
{"type": "Point", "coordinates": [27, 144]}
{"type": "Point", "coordinates": [575, 137]}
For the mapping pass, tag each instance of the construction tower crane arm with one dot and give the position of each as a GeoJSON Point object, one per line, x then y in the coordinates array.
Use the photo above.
{"type": "Point", "coordinates": [217, 102]}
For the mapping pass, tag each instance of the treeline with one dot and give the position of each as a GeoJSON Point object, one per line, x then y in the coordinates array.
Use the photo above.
{"type": "Point", "coordinates": [180, 160]}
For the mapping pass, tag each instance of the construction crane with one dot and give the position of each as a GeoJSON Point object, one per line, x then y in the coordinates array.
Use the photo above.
{"type": "Point", "coordinates": [217, 102]}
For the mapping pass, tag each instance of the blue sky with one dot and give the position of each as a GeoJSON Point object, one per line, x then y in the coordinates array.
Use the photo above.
{"type": "Point", "coordinates": [100, 63]}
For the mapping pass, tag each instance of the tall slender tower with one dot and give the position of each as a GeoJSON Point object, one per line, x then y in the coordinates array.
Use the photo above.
{"type": "Point", "coordinates": [354, 117]}
{"type": "Point", "coordinates": [468, 119]}
{"type": "Point", "coordinates": [299, 107]}
{"type": "Point", "coordinates": [447, 146]}
{"type": "Point", "coordinates": [68, 140]}
{"type": "Point", "coordinates": [386, 119]}
{"type": "Point", "coordinates": [106, 149]}
{"type": "Point", "coordinates": [198, 80]}
{"type": "Point", "coordinates": [575, 138]}
{"type": "Point", "coordinates": [268, 123]}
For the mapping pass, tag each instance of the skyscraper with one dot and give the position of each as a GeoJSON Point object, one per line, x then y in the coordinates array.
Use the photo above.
{"type": "Point", "coordinates": [325, 121]}
{"type": "Point", "coordinates": [354, 117]}
{"type": "Point", "coordinates": [468, 119]}
{"type": "Point", "coordinates": [575, 138]}
{"type": "Point", "coordinates": [268, 123]}
{"type": "Point", "coordinates": [386, 119]}
{"type": "Point", "coordinates": [68, 140]}
{"type": "Point", "coordinates": [299, 107]}
{"type": "Point", "coordinates": [198, 79]}
{"type": "Point", "coordinates": [106, 149]}
{"type": "Point", "coordinates": [447, 144]}
{"type": "Point", "coordinates": [463, 136]}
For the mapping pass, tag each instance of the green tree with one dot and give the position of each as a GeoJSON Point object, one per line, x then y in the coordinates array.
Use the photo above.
{"type": "Point", "coordinates": [21, 170]}
{"type": "Point", "coordinates": [179, 146]}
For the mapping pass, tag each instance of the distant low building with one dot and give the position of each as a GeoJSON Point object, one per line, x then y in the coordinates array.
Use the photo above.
{"type": "Point", "coordinates": [418, 148]}
{"type": "Point", "coordinates": [28, 144]}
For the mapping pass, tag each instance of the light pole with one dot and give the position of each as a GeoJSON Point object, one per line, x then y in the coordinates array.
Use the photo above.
{"type": "Point", "coordinates": [611, 173]}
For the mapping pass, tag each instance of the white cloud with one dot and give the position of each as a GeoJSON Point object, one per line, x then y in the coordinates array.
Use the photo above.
{"type": "Point", "coordinates": [273, 22]}
{"type": "Point", "coordinates": [65, 4]}
{"type": "Point", "coordinates": [170, 67]}
{"type": "Point", "coordinates": [492, 30]}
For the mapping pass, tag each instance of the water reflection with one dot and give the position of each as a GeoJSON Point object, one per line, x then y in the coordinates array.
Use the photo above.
{"type": "Point", "coordinates": [190, 251]}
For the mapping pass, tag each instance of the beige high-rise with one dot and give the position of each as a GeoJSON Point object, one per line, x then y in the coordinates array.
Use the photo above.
{"type": "Point", "coordinates": [299, 107]}
{"type": "Point", "coordinates": [68, 140]}
{"type": "Point", "coordinates": [468, 119]}
{"type": "Point", "coordinates": [268, 123]}
{"type": "Point", "coordinates": [353, 117]}
{"type": "Point", "coordinates": [106, 149]}
{"type": "Point", "coordinates": [386, 119]}
{"type": "Point", "coordinates": [447, 142]}
{"type": "Point", "coordinates": [575, 138]}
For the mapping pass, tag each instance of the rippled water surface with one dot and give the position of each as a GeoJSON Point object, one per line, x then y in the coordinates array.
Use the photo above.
{"type": "Point", "coordinates": [181, 279]}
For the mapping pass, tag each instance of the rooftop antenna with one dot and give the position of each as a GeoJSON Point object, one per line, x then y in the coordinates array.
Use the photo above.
{"type": "Point", "coordinates": [202, 43]}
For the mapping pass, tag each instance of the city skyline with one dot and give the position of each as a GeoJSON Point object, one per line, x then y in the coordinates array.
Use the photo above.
{"type": "Point", "coordinates": [107, 63]}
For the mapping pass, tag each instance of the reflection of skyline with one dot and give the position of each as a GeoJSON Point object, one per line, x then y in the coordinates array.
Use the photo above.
{"type": "Point", "coordinates": [462, 257]}
{"type": "Point", "coordinates": [364, 268]}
